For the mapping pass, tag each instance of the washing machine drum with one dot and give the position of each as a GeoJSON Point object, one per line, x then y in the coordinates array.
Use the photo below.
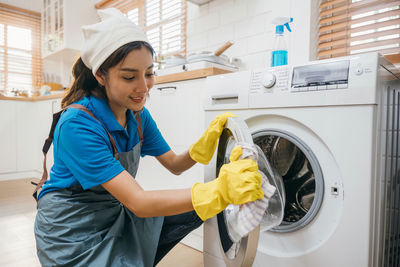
{"type": "Point", "coordinates": [241, 251]}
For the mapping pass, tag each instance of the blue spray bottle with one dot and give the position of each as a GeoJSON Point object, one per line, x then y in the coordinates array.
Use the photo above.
{"type": "Point", "coordinates": [279, 55]}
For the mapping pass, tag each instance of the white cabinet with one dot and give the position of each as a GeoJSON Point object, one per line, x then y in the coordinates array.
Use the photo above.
{"type": "Point", "coordinates": [26, 132]}
{"type": "Point", "coordinates": [177, 109]}
{"type": "Point", "coordinates": [61, 27]}
{"type": "Point", "coordinates": [24, 127]}
{"type": "Point", "coordinates": [8, 139]}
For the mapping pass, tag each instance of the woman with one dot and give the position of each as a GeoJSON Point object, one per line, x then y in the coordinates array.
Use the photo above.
{"type": "Point", "coordinates": [92, 212]}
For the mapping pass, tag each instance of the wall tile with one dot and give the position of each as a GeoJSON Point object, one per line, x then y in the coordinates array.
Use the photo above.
{"type": "Point", "coordinates": [259, 43]}
{"type": "Point", "coordinates": [197, 43]}
{"type": "Point", "coordinates": [238, 49]}
{"type": "Point", "coordinates": [192, 10]}
{"type": "Point", "coordinates": [208, 22]}
{"type": "Point", "coordinates": [256, 61]}
{"type": "Point", "coordinates": [233, 13]}
{"type": "Point", "coordinates": [192, 28]}
{"type": "Point", "coordinates": [250, 27]}
{"type": "Point", "coordinates": [218, 5]}
{"type": "Point", "coordinates": [257, 7]}
{"type": "Point", "coordinates": [220, 35]}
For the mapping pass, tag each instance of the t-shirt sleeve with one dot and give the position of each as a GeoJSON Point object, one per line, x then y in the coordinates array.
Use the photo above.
{"type": "Point", "coordinates": [85, 149]}
{"type": "Point", "coordinates": [154, 143]}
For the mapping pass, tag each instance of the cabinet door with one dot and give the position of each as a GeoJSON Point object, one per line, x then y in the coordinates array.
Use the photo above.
{"type": "Point", "coordinates": [28, 125]}
{"type": "Point", "coordinates": [33, 129]}
{"type": "Point", "coordinates": [8, 131]}
{"type": "Point", "coordinates": [178, 111]}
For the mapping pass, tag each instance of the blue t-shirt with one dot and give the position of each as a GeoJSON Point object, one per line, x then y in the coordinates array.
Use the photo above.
{"type": "Point", "coordinates": [83, 152]}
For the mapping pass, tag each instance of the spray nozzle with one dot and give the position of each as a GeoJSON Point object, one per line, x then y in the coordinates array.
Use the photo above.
{"type": "Point", "coordinates": [280, 22]}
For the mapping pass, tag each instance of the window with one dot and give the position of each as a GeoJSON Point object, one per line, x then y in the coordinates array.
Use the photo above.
{"type": "Point", "coordinates": [164, 22]}
{"type": "Point", "coordinates": [348, 27]}
{"type": "Point", "coordinates": [20, 52]}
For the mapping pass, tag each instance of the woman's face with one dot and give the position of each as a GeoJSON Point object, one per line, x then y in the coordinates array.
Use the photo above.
{"type": "Point", "coordinates": [128, 83]}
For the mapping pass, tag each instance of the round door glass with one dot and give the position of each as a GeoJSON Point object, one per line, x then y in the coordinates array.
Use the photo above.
{"type": "Point", "coordinates": [302, 177]}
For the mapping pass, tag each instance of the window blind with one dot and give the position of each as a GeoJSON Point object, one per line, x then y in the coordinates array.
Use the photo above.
{"type": "Point", "coordinates": [20, 49]}
{"type": "Point", "coordinates": [349, 27]}
{"type": "Point", "coordinates": [164, 22]}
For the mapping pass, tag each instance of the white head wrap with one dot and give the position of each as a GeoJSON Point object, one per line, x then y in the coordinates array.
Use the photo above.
{"type": "Point", "coordinates": [103, 38]}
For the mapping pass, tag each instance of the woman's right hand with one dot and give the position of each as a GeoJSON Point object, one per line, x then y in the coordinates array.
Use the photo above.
{"type": "Point", "coordinates": [238, 182]}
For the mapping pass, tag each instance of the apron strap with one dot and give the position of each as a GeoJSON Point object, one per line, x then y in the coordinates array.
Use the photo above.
{"type": "Point", "coordinates": [49, 141]}
{"type": "Point", "coordinates": [83, 108]}
{"type": "Point", "coordinates": [45, 149]}
{"type": "Point", "coordinates": [140, 129]}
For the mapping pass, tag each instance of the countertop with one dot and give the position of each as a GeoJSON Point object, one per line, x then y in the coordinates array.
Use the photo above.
{"type": "Point", "coordinates": [53, 95]}
{"type": "Point", "coordinates": [191, 74]}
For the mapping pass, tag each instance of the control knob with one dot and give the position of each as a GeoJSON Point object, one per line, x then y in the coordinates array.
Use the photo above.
{"type": "Point", "coordinates": [268, 80]}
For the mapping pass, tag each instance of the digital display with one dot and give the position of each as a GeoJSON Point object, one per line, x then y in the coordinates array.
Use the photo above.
{"type": "Point", "coordinates": [321, 74]}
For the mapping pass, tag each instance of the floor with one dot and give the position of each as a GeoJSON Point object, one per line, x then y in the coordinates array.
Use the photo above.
{"type": "Point", "coordinates": [17, 215]}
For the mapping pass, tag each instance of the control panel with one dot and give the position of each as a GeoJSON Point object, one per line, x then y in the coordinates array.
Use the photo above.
{"type": "Point", "coordinates": [316, 77]}
{"type": "Point", "coordinates": [348, 80]}
{"type": "Point", "coordinates": [264, 81]}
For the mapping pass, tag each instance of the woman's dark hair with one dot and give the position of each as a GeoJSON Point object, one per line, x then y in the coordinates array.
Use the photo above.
{"type": "Point", "coordinates": [85, 83]}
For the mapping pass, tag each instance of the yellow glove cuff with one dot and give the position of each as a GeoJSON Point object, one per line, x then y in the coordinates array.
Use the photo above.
{"type": "Point", "coordinates": [206, 200]}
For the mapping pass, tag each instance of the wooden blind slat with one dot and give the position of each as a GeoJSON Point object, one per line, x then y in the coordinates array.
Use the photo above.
{"type": "Point", "coordinates": [334, 27]}
{"type": "Point", "coordinates": [375, 44]}
{"type": "Point", "coordinates": [347, 26]}
{"type": "Point", "coordinates": [335, 35]}
{"type": "Point", "coordinates": [339, 18]}
{"type": "Point", "coordinates": [347, 32]}
{"type": "Point", "coordinates": [383, 51]}
{"type": "Point", "coordinates": [331, 3]}
{"type": "Point", "coordinates": [359, 7]}
{"type": "Point", "coordinates": [332, 43]}
{"type": "Point", "coordinates": [380, 5]}
{"type": "Point", "coordinates": [347, 50]}
{"type": "Point", "coordinates": [375, 25]}
{"type": "Point", "coordinates": [334, 10]}
{"type": "Point", "coordinates": [332, 19]}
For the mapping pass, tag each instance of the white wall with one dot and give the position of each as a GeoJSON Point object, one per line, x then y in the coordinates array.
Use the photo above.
{"type": "Point", "coordinates": [248, 24]}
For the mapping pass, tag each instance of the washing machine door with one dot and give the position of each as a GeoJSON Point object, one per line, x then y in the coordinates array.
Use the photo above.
{"type": "Point", "coordinates": [242, 252]}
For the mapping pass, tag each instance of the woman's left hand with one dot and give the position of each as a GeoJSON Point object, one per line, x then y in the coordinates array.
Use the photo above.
{"type": "Point", "coordinates": [203, 150]}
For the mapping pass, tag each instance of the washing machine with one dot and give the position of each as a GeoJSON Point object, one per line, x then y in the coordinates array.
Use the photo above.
{"type": "Point", "coordinates": [339, 121]}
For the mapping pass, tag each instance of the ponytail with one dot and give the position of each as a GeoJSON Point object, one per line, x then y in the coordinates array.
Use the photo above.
{"type": "Point", "coordinates": [84, 84]}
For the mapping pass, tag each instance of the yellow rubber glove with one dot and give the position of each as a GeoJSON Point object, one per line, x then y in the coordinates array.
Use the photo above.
{"type": "Point", "coordinates": [238, 182]}
{"type": "Point", "coordinates": [203, 150]}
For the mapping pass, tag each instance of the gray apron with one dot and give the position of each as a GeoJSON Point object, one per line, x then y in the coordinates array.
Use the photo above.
{"type": "Point", "coordinates": [76, 227]}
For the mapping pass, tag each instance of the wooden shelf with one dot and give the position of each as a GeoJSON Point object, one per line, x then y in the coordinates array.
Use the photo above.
{"type": "Point", "coordinates": [189, 75]}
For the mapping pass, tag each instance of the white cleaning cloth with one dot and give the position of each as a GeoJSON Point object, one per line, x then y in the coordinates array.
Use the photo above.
{"type": "Point", "coordinates": [103, 38]}
{"type": "Point", "coordinates": [243, 219]}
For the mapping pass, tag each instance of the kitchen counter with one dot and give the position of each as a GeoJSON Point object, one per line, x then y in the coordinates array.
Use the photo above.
{"type": "Point", "coordinates": [53, 95]}
{"type": "Point", "coordinates": [191, 74]}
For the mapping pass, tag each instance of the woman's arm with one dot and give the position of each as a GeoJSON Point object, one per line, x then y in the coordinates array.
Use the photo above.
{"type": "Point", "coordinates": [148, 203]}
{"type": "Point", "coordinates": [176, 163]}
